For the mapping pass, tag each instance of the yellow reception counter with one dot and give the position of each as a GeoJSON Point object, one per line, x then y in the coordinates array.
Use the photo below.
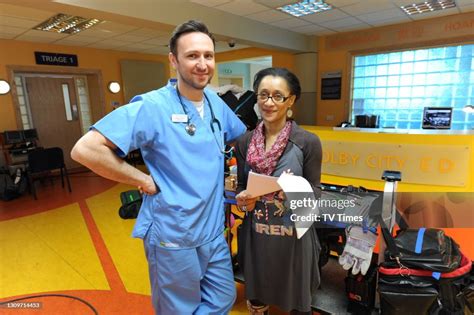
{"type": "Point", "coordinates": [437, 187]}
{"type": "Point", "coordinates": [429, 160]}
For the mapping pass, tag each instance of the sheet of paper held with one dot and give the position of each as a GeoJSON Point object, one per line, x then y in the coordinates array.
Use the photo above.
{"type": "Point", "coordinates": [259, 185]}
{"type": "Point", "coordinates": [298, 188]}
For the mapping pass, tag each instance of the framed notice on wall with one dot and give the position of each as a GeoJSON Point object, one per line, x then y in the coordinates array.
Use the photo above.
{"type": "Point", "coordinates": [331, 85]}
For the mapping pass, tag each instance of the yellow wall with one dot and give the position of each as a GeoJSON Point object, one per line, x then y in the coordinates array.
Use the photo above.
{"type": "Point", "coordinates": [336, 51]}
{"type": "Point", "coordinates": [107, 61]}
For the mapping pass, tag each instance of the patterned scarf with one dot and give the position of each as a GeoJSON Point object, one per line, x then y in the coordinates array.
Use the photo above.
{"type": "Point", "coordinates": [265, 162]}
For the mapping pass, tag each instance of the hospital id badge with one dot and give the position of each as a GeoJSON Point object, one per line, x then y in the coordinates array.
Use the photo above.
{"type": "Point", "coordinates": [179, 118]}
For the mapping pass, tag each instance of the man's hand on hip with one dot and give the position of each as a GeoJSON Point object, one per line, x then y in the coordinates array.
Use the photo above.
{"type": "Point", "coordinates": [148, 187]}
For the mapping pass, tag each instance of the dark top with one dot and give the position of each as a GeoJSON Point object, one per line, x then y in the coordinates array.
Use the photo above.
{"type": "Point", "coordinates": [243, 107]}
{"type": "Point", "coordinates": [280, 269]}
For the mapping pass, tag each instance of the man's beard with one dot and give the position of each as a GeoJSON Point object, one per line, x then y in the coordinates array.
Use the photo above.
{"type": "Point", "coordinates": [194, 84]}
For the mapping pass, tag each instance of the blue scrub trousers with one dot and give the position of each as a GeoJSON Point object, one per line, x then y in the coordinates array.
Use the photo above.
{"type": "Point", "coordinates": [191, 281]}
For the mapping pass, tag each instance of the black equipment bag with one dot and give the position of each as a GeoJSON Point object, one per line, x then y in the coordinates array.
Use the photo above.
{"type": "Point", "coordinates": [423, 248]}
{"type": "Point", "coordinates": [131, 203]}
{"type": "Point", "coordinates": [419, 292]}
{"type": "Point", "coordinates": [360, 290]}
{"type": "Point", "coordinates": [12, 188]}
{"type": "Point", "coordinates": [424, 273]}
{"type": "Point", "coordinates": [7, 189]}
{"type": "Point", "coordinates": [468, 291]}
{"type": "Point", "coordinates": [427, 249]}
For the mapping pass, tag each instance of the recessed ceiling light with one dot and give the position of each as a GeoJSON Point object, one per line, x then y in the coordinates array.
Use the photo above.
{"type": "Point", "coordinates": [428, 6]}
{"type": "Point", "coordinates": [305, 7]}
{"type": "Point", "coordinates": [68, 24]}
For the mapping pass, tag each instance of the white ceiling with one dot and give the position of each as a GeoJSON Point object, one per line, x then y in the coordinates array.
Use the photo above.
{"type": "Point", "coordinates": [17, 18]}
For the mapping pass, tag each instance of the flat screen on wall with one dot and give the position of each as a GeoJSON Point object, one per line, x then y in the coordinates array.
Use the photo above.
{"type": "Point", "coordinates": [437, 117]}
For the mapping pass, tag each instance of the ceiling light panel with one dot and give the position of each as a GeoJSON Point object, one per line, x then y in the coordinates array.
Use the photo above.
{"type": "Point", "coordinates": [67, 24]}
{"type": "Point", "coordinates": [305, 7]}
{"type": "Point", "coordinates": [428, 6]}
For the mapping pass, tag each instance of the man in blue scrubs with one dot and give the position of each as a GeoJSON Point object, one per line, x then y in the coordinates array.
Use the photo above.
{"type": "Point", "coordinates": [181, 131]}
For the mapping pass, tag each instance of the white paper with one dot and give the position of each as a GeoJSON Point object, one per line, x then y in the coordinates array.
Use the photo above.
{"type": "Point", "coordinates": [259, 185]}
{"type": "Point", "coordinates": [291, 183]}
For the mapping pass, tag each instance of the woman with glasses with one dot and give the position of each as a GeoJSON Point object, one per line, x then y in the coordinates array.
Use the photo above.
{"type": "Point", "coordinates": [279, 269]}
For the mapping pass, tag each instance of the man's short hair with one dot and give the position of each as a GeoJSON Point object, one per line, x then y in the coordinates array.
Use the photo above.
{"type": "Point", "coordinates": [185, 28]}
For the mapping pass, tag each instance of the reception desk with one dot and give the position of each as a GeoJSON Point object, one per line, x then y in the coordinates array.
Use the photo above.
{"type": "Point", "coordinates": [437, 187]}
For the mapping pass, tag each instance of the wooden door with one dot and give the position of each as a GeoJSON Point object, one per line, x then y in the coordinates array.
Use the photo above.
{"type": "Point", "coordinates": [56, 127]}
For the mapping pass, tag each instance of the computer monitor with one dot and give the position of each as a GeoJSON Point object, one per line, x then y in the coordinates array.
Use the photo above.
{"type": "Point", "coordinates": [13, 137]}
{"type": "Point", "coordinates": [437, 117]}
{"type": "Point", "coordinates": [30, 134]}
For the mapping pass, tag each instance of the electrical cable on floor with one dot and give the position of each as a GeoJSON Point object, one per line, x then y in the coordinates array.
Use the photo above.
{"type": "Point", "coordinates": [52, 295]}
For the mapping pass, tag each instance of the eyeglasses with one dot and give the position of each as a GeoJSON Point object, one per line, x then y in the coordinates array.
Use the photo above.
{"type": "Point", "coordinates": [277, 98]}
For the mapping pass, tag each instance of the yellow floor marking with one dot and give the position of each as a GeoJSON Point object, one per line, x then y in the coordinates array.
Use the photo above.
{"type": "Point", "coordinates": [127, 253]}
{"type": "Point", "coordinates": [48, 251]}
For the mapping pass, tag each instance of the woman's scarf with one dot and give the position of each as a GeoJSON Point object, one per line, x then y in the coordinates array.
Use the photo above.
{"type": "Point", "coordinates": [265, 162]}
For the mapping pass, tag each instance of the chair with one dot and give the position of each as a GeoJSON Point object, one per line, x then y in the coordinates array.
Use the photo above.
{"type": "Point", "coordinates": [41, 162]}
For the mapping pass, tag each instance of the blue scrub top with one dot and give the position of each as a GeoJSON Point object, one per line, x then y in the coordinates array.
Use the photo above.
{"type": "Point", "coordinates": [189, 170]}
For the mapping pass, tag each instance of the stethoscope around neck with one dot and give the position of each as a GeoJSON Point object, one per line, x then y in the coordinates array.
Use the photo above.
{"type": "Point", "coordinates": [191, 128]}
